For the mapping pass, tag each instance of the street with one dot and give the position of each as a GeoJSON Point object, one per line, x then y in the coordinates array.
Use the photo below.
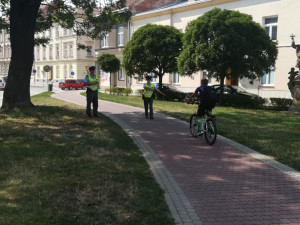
{"type": "Point", "coordinates": [35, 89]}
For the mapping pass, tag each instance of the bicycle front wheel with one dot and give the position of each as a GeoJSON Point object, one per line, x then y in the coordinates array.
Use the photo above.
{"type": "Point", "coordinates": [194, 125]}
{"type": "Point", "coordinates": [210, 131]}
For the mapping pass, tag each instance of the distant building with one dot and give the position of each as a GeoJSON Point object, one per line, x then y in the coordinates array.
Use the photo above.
{"type": "Point", "coordinates": [280, 18]}
{"type": "Point", "coordinates": [62, 55]}
{"type": "Point", "coordinates": [5, 53]}
{"type": "Point", "coordinates": [115, 41]}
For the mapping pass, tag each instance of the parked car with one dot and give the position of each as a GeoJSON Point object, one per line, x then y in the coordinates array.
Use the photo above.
{"type": "Point", "coordinates": [234, 90]}
{"type": "Point", "coordinates": [172, 93]}
{"type": "Point", "coordinates": [71, 84]}
{"type": "Point", "coordinates": [3, 82]}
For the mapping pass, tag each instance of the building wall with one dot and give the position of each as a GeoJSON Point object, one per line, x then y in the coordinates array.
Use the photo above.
{"type": "Point", "coordinates": [288, 22]}
{"type": "Point", "coordinates": [5, 53]}
{"type": "Point", "coordinates": [62, 55]}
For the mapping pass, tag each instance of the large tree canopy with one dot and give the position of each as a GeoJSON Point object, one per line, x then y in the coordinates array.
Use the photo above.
{"type": "Point", "coordinates": [109, 63]}
{"type": "Point", "coordinates": [29, 16]}
{"type": "Point", "coordinates": [152, 49]}
{"type": "Point", "coordinates": [226, 42]}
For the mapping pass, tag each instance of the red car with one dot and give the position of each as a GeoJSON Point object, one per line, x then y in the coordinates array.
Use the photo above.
{"type": "Point", "coordinates": [71, 84]}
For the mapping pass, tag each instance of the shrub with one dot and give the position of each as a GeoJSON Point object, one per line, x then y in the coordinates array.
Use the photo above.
{"type": "Point", "coordinates": [280, 103]}
{"type": "Point", "coordinates": [243, 101]}
{"type": "Point", "coordinates": [127, 91]}
{"type": "Point", "coordinates": [119, 91]}
{"type": "Point", "coordinates": [139, 92]}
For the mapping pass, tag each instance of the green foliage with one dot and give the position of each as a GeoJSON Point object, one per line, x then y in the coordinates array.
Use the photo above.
{"type": "Point", "coordinates": [223, 39]}
{"type": "Point", "coordinates": [152, 49]}
{"type": "Point", "coordinates": [94, 22]}
{"type": "Point", "coordinates": [241, 101]}
{"type": "Point", "coordinates": [109, 62]}
{"type": "Point", "coordinates": [119, 91]}
{"type": "Point", "coordinates": [281, 103]}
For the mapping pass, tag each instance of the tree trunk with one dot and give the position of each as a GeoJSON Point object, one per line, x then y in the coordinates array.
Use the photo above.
{"type": "Point", "coordinates": [23, 14]}
{"type": "Point", "coordinates": [222, 78]}
{"type": "Point", "coordinates": [160, 81]}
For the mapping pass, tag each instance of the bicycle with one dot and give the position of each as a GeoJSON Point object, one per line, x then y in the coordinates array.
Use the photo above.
{"type": "Point", "coordinates": [209, 126]}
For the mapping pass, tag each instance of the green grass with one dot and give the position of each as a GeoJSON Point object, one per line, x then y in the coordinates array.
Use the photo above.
{"type": "Point", "coordinates": [272, 133]}
{"type": "Point", "coordinates": [59, 167]}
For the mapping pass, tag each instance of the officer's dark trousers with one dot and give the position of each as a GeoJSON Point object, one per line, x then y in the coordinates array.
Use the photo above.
{"type": "Point", "coordinates": [91, 97]}
{"type": "Point", "coordinates": [148, 101]}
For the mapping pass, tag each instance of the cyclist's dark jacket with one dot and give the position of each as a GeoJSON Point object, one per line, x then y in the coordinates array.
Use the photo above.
{"type": "Point", "coordinates": [202, 92]}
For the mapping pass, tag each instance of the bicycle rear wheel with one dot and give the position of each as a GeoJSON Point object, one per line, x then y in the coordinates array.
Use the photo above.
{"type": "Point", "coordinates": [194, 125]}
{"type": "Point", "coordinates": [210, 131]}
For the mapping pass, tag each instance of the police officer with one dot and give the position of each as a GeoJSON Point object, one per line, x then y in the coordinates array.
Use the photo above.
{"type": "Point", "coordinates": [149, 88]}
{"type": "Point", "coordinates": [92, 83]}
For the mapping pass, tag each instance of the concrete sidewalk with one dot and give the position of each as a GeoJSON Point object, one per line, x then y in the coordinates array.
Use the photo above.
{"type": "Point", "coordinates": [212, 185]}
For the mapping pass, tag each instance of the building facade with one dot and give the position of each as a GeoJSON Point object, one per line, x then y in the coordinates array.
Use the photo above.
{"type": "Point", "coordinates": [62, 56]}
{"type": "Point", "coordinates": [5, 53]}
{"type": "Point", "coordinates": [115, 41]}
{"type": "Point", "coordinates": [280, 19]}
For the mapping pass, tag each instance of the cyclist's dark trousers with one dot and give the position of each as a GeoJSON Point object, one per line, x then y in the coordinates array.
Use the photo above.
{"type": "Point", "coordinates": [148, 101]}
{"type": "Point", "coordinates": [201, 109]}
{"type": "Point", "coordinates": [91, 97]}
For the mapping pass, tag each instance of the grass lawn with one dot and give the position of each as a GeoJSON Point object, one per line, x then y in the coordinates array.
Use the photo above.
{"type": "Point", "coordinates": [59, 167]}
{"type": "Point", "coordinates": [272, 133]}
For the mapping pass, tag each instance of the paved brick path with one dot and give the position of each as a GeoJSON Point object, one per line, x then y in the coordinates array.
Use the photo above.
{"type": "Point", "coordinates": [212, 185]}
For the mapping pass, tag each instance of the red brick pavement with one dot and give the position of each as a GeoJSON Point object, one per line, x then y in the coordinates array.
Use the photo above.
{"type": "Point", "coordinates": [223, 184]}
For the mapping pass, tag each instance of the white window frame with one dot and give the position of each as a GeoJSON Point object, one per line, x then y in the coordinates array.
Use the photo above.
{"type": "Point", "coordinates": [269, 78]}
{"type": "Point", "coordinates": [104, 41]}
{"type": "Point", "coordinates": [120, 36]}
{"type": "Point", "coordinates": [50, 51]}
{"type": "Point", "coordinates": [268, 26]}
{"type": "Point", "coordinates": [176, 78]}
{"type": "Point", "coordinates": [71, 49]}
{"type": "Point", "coordinates": [66, 71]}
{"type": "Point", "coordinates": [57, 32]}
{"type": "Point", "coordinates": [57, 51]}
{"type": "Point", "coordinates": [121, 74]}
{"type": "Point", "coordinates": [65, 50]}
{"type": "Point", "coordinates": [205, 76]}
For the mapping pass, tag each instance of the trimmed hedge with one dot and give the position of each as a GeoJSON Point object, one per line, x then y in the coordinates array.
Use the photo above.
{"type": "Point", "coordinates": [119, 91]}
{"type": "Point", "coordinates": [280, 103]}
{"type": "Point", "coordinates": [243, 102]}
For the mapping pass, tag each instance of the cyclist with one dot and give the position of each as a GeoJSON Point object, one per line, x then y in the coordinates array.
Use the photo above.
{"type": "Point", "coordinates": [205, 103]}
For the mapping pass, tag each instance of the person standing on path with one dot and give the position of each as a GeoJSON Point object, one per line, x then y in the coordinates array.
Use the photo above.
{"type": "Point", "coordinates": [92, 83]}
{"type": "Point", "coordinates": [149, 89]}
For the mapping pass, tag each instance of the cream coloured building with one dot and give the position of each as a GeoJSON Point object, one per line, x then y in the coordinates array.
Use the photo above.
{"type": "Point", "coordinates": [62, 55]}
{"type": "Point", "coordinates": [280, 18]}
{"type": "Point", "coordinates": [5, 53]}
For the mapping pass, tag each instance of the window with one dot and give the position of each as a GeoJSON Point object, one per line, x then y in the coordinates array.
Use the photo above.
{"type": "Point", "coordinates": [44, 52]}
{"type": "Point", "coordinates": [38, 53]}
{"type": "Point", "coordinates": [153, 78]}
{"type": "Point", "coordinates": [50, 52]}
{"type": "Point", "coordinates": [268, 78]}
{"type": "Point", "coordinates": [89, 51]}
{"type": "Point", "coordinates": [205, 76]}
{"type": "Point", "coordinates": [57, 71]}
{"type": "Point", "coordinates": [105, 41]}
{"type": "Point", "coordinates": [120, 36]}
{"type": "Point", "coordinates": [121, 75]}
{"type": "Point", "coordinates": [57, 32]}
{"type": "Point", "coordinates": [57, 51]}
{"type": "Point", "coordinates": [176, 78]}
{"type": "Point", "coordinates": [65, 32]}
{"type": "Point", "coordinates": [65, 50]}
{"type": "Point", "coordinates": [270, 25]}
{"type": "Point", "coordinates": [66, 71]}
{"type": "Point", "coordinates": [71, 50]}
{"type": "Point", "coordinates": [50, 33]}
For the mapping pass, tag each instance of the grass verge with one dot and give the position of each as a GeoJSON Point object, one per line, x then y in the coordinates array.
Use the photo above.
{"type": "Point", "coordinates": [59, 167]}
{"type": "Point", "coordinates": [272, 133]}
